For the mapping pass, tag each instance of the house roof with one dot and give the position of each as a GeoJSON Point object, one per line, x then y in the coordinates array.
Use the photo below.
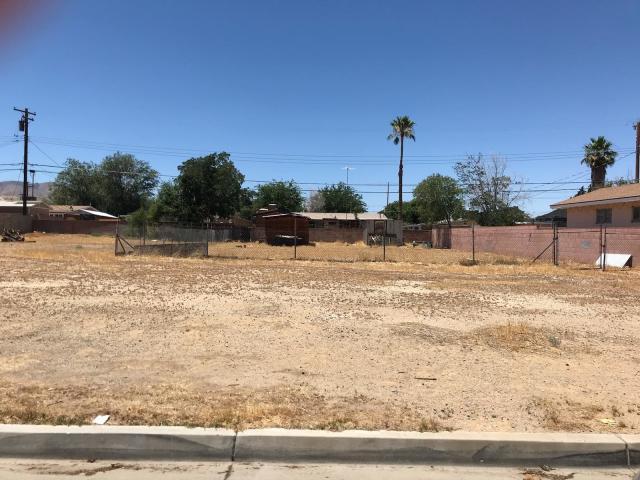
{"type": "Point", "coordinates": [603, 196]}
{"type": "Point", "coordinates": [69, 208]}
{"type": "Point", "coordinates": [344, 216]}
{"type": "Point", "coordinates": [97, 213]}
{"type": "Point", "coordinates": [6, 203]}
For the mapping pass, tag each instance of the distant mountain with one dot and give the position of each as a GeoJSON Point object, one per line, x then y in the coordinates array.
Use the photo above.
{"type": "Point", "coordinates": [10, 190]}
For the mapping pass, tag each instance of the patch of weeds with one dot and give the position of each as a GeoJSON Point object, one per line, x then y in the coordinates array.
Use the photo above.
{"type": "Point", "coordinates": [337, 424]}
{"type": "Point", "coordinates": [468, 262]}
{"type": "Point", "coordinates": [432, 425]}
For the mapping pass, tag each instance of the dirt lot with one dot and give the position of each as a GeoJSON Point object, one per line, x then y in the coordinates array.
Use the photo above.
{"type": "Point", "coordinates": [246, 342]}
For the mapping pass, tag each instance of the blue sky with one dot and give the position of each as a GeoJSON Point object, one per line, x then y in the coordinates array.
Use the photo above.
{"type": "Point", "coordinates": [301, 89]}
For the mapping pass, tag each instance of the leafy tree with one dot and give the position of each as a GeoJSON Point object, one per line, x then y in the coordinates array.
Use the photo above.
{"type": "Point", "coordinates": [437, 198]}
{"type": "Point", "coordinates": [410, 212]}
{"type": "Point", "coordinates": [120, 184]}
{"type": "Point", "coordinates": [166, 204]}
{"type": "Point", "coordinates": [401, 128]}
{"type": "Point", "coordinates": [287, 195]}
{"type": "Point", "coordinates": [501, 217]}
{"type": "Point", "coordinates": [125, 183]}
{"type": "Point", "coordinates": [342, 198]}
{"type": "Point", "coordinates": [247, 200]}
{"type": "Point", "coordinates": [76, 184]}
{"type": "Point", "coordinates": [209, 187]}
{"type": "Point", "coordinates": [598, 155]}
{"type": "Point", "coordinates": [489, 191]}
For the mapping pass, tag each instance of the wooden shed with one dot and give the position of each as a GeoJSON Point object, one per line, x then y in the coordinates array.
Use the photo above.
{"type": "Point", "coordinates": [280, 227]}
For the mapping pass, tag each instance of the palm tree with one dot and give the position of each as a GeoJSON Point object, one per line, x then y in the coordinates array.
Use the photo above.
{"type": "Point", "coordinates": [402, 127]}
{"type": "Point", "coordinates": [598, 155]}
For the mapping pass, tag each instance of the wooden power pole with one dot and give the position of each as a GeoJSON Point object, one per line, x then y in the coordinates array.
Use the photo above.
{"type": "Point", "coordinates": [23, 125]}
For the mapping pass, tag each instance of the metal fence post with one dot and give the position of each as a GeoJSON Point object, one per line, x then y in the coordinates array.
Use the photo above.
{"type": "Point", "coordinates": [473, 242]}
{"type": "Point", "coordinates": [604, 250]}
{"type": "Point", "coordinates": [206, 239]}
{"type": "Point", "coordinates": [555, 244]}
{"type": "Point", "coordinates": [295, 237]}
{"type": "Point", "coordinates": [384, 243]}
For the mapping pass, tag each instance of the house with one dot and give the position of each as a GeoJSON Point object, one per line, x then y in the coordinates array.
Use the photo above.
{"type": "Point", "coordinates": [617, 206]}
{"type": "Point", "coordinates": [556, 217]}
{"type": "Point", "coordinates": [11, 214]}
{"type": "Point", "coordinates": [75, 212]}
{"type": "Point", "coordinates": [283, 228]}
{"type": "Point", "coordinates": [350, 227]}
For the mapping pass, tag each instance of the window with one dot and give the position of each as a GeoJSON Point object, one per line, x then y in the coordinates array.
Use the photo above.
{"type": "Point", "coordinates": [635, 215]}
{"type": "Point", "coordinates": [603, 215]}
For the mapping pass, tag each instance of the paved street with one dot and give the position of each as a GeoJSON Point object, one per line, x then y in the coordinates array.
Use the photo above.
{"type": "Point", "coordinates": [25, 469]}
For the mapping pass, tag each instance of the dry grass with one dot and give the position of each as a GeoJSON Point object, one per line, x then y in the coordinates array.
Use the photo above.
{"type": "Point", "coordinates": [516, 337]}
{"type": "Point", "coordinates": [255, 342]}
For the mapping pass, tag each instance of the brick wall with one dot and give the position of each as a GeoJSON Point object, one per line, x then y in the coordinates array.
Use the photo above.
{"type": "Point", "coordinates": [335, 234]}
{"type": "Point", "coordinates": [581, 245]}
{"type": "Point", "coordinates": [16, 221]}
{"type": "Point", "coordinates": [75, 226]}
{"type": "Point", "coordinates": [417, 236]}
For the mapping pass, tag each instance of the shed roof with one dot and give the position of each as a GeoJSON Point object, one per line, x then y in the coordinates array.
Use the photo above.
{"type": "Point", "coordinates": [603, 196]}
{"type": "Point", "coordinates": [97, 213]}
{"type": "Point", "coordinates": [69, 208]}
{"type": "Point", "coordinates": [344, 216]}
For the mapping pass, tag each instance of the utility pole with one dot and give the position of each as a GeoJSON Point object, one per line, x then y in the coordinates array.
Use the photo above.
{"type": "Point", "coordinates": [23, 126]}
{"type": "Point", "coordinates": [347, 168]}
{"type": "Point", "coordinates": [387, 194]}
{"type": "Point", "coordinates": [637, 127]}
{"type": "Point", "coordinates": [33, 182]}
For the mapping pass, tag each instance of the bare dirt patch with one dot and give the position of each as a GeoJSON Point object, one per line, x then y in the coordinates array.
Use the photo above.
{"type": "Point", "coordinates": [252, 342]}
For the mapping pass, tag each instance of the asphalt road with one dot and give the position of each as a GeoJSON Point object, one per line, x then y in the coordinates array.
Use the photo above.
{"type": "Point", "coordinates": [25, 469]}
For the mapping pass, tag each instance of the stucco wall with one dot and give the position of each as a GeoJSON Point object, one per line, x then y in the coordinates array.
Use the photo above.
{"type": "Point", "coordinates": [585, 217]}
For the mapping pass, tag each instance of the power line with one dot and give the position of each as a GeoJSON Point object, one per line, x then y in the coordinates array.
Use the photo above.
{"type": "Point", "coordinates": [322, 158]}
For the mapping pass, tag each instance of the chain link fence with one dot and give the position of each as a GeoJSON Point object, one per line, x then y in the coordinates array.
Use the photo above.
{"type": "Point", "coordinates": [465, 245]}
{"type": "Point", "coordinates": [180, 240]}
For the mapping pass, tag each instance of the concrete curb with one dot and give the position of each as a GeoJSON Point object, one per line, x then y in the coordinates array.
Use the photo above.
{"type": "Point", "coordinates": [356, 446]}
{"type": "Point", "coordinates": [446, 447]}
{"type": "Point", "coordinates": [116, 442]}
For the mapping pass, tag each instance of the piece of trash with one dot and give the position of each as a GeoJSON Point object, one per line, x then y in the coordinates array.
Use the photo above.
{"type": "Point", "coordinates": [101, 419]}
{"type": "Point", "coordinates": [608, 421]}
{"type": "Point", "coordinates": [426, 378]}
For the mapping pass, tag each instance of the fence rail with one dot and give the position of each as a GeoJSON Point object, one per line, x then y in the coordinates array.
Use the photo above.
{"type": "Point", "coordinates": [594, 248]}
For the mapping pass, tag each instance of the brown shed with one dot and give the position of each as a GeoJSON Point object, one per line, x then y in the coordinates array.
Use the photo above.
{"type": "Point", "coordinates": [279, 226]}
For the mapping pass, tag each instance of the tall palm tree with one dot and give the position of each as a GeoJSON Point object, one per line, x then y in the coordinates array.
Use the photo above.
{"type": "Point", "coordinates": [598, 155]}
{"type": "Point", "coordinates": [401, 128]}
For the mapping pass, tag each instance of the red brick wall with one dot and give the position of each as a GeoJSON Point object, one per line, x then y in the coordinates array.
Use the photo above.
{"type": "Point", "coordinates": [582, 245]}
{"type": "Point", "coordinates": [75, 226]}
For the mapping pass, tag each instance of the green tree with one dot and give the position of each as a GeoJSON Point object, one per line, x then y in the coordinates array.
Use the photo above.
{"type": "Point", "coordinates": [119, 184]}
{"type": "Point", "coordinates": [410, 212]}
{"type": "Point", "coordinates": [76, 184]}
{"type": "Point", "coordinates": [247, 200]}
{"type": "Point", "coordinates": [209, 187]}
{"type": "Point", "coordinates": [598, 155]}
{"type": "Point", "coordinates": [437, 198]}
{"type": "Point", "coordinates": [342, 198]}
{"type": "Point", "coordinates": [166, 204]}
{"type": "Point", "coordinates": [286, 194]}
{"type": "Point", "coordinates": [401, 128]}
{"type": "Point", "coordinates": [125, 183]}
